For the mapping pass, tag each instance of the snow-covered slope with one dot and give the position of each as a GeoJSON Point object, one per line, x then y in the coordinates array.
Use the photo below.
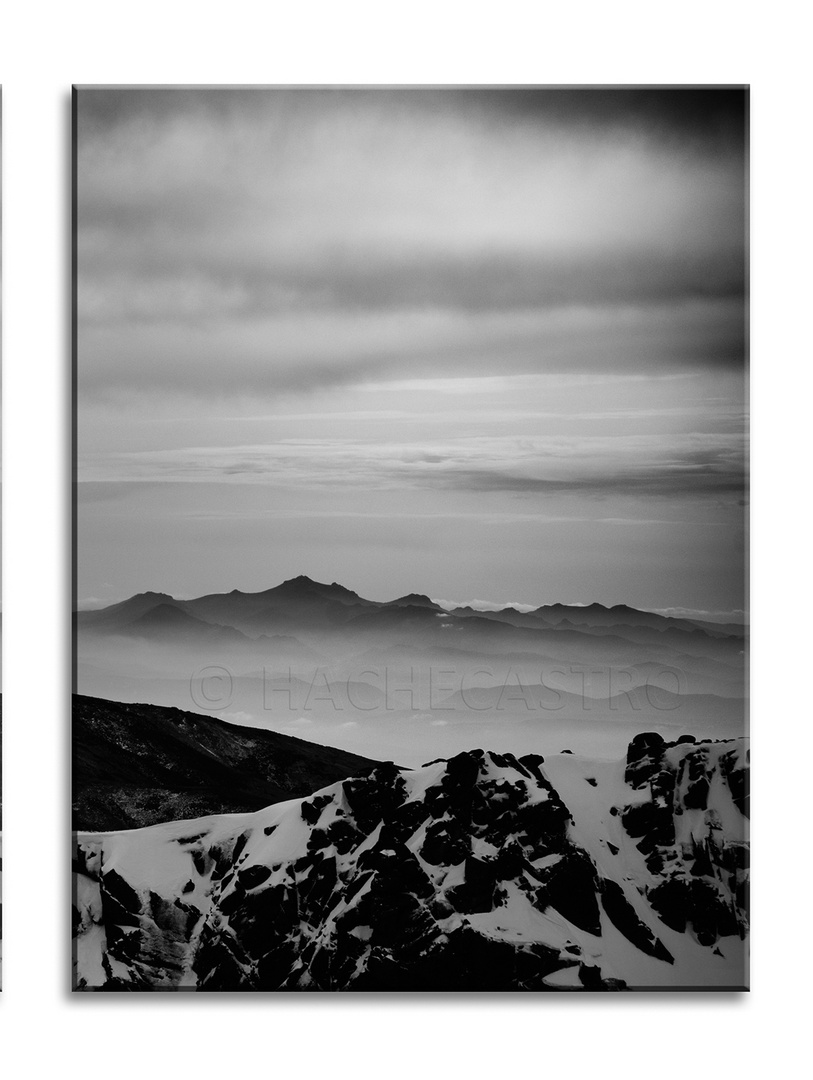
{"type": "Point", "coordinates": [483, 872]}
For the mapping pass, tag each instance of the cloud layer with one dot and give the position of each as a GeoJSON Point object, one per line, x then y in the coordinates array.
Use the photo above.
{"type": "Point", "coordinates": [599, 467]}
{"type": "Point", "coordinates": [288, 240]}
{"type": "Point", "coordinates": [469, 342]}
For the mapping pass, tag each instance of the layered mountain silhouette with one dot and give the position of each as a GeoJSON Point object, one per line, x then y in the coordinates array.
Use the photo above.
{"type": "Point", "coordinates": [312, 604]}
{"type": "Point", "coordinates": [297, 602]}
{"type": "Point", "coordinates": [480, 872]}
{"type": "Point", "coordinates": [406, 679]}
{"type": "Point", "coordinates": [303, 621]}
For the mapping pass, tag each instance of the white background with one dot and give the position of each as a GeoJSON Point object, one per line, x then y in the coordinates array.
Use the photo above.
{"type": "Point", "coordinates": [46, 47]}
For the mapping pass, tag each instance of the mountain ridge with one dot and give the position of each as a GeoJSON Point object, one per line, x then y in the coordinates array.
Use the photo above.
{"type": "Point", "coordinates": [304, 587]}
{"type": "Point", "coordinates": [481, 872]}
{"type": "Point", "coordinates": [136, 764]}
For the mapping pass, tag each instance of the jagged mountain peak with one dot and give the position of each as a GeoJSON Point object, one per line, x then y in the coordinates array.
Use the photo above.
{"type": "Point", "coordinates": [483, 871]}
{"type": "Point", "coordinates": [415, 600]}
{"type": "Point", "coordinates": [149, 598]}
{"type": "Point", "coordinates": [302, 584]}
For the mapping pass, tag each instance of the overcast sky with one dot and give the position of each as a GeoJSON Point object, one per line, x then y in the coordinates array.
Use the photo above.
{"type": "Point", "coordinates": [472, 343]}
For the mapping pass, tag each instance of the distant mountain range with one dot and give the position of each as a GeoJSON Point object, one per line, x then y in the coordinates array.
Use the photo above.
{"type": "Point", "coordinates": [303, 622]}
{"type": "Point", "coordinates": [482, 872]}
{"type": "Point", "coordinates": [406, 679]}
{"type": "Point", "coordinates": [306, 603]}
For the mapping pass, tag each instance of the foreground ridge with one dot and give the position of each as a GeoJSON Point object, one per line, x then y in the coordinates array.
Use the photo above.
{"type": "Point", "coordinates": [482, 872]}
{"type": "Point", "coordinates": [136, 765]}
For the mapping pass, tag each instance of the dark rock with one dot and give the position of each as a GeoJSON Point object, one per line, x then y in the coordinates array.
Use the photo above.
{"type": "Point", "coordinates": [121, 904]}
{"type": "Point", "coordinates": [737, 779]}
{"type": "Point", "coordinates": [362, 903]}
{"type": "Point", "coordinates": [311, 809]}
{"type": "Point", "coordinates": [570, 887]}
{"type": "Point", "coordinates": [622, 914]}
{"type": "Point", "coordinates": [253, 876]}
{"type": "Point", "coordinates": [643, 758]}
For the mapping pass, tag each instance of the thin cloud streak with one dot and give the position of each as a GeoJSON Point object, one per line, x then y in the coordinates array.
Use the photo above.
{"type": "Point", "coordinates": [638, 466]}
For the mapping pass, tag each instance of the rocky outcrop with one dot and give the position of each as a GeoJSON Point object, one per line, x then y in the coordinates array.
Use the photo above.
{"type": "Point", "coordinates": [484, 872]}
{"type": "Point", "coordinates": [698, 860]}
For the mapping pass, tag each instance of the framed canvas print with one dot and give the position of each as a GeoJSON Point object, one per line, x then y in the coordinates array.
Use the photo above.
{"type": "Point", "coordinates": [411, 608]}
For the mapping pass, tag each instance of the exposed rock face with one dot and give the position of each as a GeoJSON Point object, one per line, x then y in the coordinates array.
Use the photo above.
{"type": "Point", "coordinates": [689, 833]}
{"type": "Point", "coordinates": [484, 872]}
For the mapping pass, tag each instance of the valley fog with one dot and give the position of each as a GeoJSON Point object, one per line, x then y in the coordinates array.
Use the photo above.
{"type": "Point", "coordinates": [406, 681]}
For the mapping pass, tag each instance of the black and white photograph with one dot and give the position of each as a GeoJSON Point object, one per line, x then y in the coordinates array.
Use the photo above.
{"type": "Point", "coordinates": [411, 607]}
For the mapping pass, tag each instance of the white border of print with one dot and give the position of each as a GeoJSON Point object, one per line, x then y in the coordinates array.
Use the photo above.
{"type": "Point", "coordinates": [44, 47]}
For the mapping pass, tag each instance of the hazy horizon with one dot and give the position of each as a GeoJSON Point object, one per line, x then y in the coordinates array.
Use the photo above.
{"type": "Point", "coordinates": [470, 343]}
{"type": "Point", "coordinates": [735, 615]}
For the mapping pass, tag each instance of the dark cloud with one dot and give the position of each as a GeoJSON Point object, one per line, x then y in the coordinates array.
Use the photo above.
{"type": "Point", "coordinates": [211, 220]}
{"type": "Point", "coordinates": [694, 481]}
{"type": "Point", "coordinates": [619, 466]}
{"type": "Point", "coordinates": [703, 116]}
{"type": "Point", "coordinates": [706, 115]}
{"type": "Point", "coordinates": [609, 472]}
{"type": "Point", "coordinates": [300, 352]}
{"type": "Point", "coordinates": [501, 282]}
